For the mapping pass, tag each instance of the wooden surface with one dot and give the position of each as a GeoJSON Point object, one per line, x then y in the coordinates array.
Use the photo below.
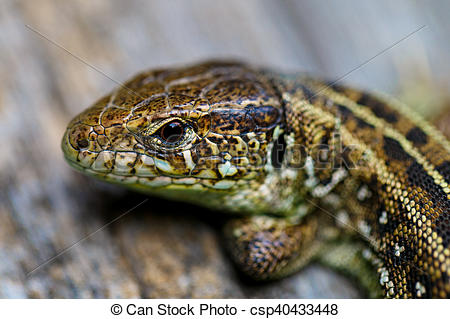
{"type": "Point", "coordinates": [164, 249]}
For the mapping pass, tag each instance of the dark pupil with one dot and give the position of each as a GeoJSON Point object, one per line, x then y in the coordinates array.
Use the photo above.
{"type": "Point", "coordinates": [172, 132]}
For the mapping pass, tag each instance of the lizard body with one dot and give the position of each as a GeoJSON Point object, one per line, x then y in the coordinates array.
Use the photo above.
{"type": "Point", "coordinates": [300, 162]}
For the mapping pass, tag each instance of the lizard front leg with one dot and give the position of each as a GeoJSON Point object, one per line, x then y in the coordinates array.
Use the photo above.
{"type": "Point", "coordinates": [266, 247]}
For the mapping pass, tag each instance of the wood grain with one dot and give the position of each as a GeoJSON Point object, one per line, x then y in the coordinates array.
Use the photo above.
{"type": "Point", "coordinates": [160, 249]}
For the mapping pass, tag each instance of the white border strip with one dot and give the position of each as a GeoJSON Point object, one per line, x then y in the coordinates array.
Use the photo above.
{"type": "Point", "coordinates": [220, 308]}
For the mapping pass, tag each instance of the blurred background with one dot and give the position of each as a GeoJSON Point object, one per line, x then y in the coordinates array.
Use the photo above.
{"type": "Point", "coordinates": [57, 58]}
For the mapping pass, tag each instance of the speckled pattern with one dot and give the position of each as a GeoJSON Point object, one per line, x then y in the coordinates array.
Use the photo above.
{"type": "Point", "coordinates": [278, 149]}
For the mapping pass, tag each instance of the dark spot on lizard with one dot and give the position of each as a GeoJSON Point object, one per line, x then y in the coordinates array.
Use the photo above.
{"type": "Point", "coordinates": [346, 115]}
{"type": "Point", "coordinates": [417, 136]}
{"type": "Point", "coordinates": [394, 150]}
{"type": "Point", "coordinates": [378, 108]}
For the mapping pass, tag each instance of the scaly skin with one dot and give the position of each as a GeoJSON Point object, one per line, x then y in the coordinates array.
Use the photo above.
{"type": "Point", "coordinates": [286, 154]}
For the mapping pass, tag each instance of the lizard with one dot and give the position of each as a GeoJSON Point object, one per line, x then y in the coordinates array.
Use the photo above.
{"type": "Point", "coordinates": [308, 169]}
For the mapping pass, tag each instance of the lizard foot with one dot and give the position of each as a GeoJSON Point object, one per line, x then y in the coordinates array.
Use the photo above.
{"type": "Point", "coordinates": [268, 247]}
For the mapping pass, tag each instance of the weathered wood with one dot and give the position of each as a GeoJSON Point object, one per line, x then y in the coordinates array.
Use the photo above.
{"type": "Point", "coordinates": [160, 249]}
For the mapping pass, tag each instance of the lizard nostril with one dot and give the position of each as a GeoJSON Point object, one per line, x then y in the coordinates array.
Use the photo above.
{"type": "Point", "coordinates": [78, 136]}
{"type": "Point", "coordinates": [83, 143]}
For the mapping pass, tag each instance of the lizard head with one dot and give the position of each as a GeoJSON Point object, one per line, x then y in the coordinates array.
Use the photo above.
{"type": "Point", "coordinates": [204, 127]}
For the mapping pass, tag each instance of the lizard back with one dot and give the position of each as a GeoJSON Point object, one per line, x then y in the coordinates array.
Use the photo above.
{"type": "Point", "coordinates": [396, 193]}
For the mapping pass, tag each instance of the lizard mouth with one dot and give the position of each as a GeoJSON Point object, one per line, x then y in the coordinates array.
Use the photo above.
{"type": "Point", "coordinates": [138, 169]}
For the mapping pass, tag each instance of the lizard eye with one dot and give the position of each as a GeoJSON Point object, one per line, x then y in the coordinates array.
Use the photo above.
{"type": "Point", "coordinates": [172, 132]}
